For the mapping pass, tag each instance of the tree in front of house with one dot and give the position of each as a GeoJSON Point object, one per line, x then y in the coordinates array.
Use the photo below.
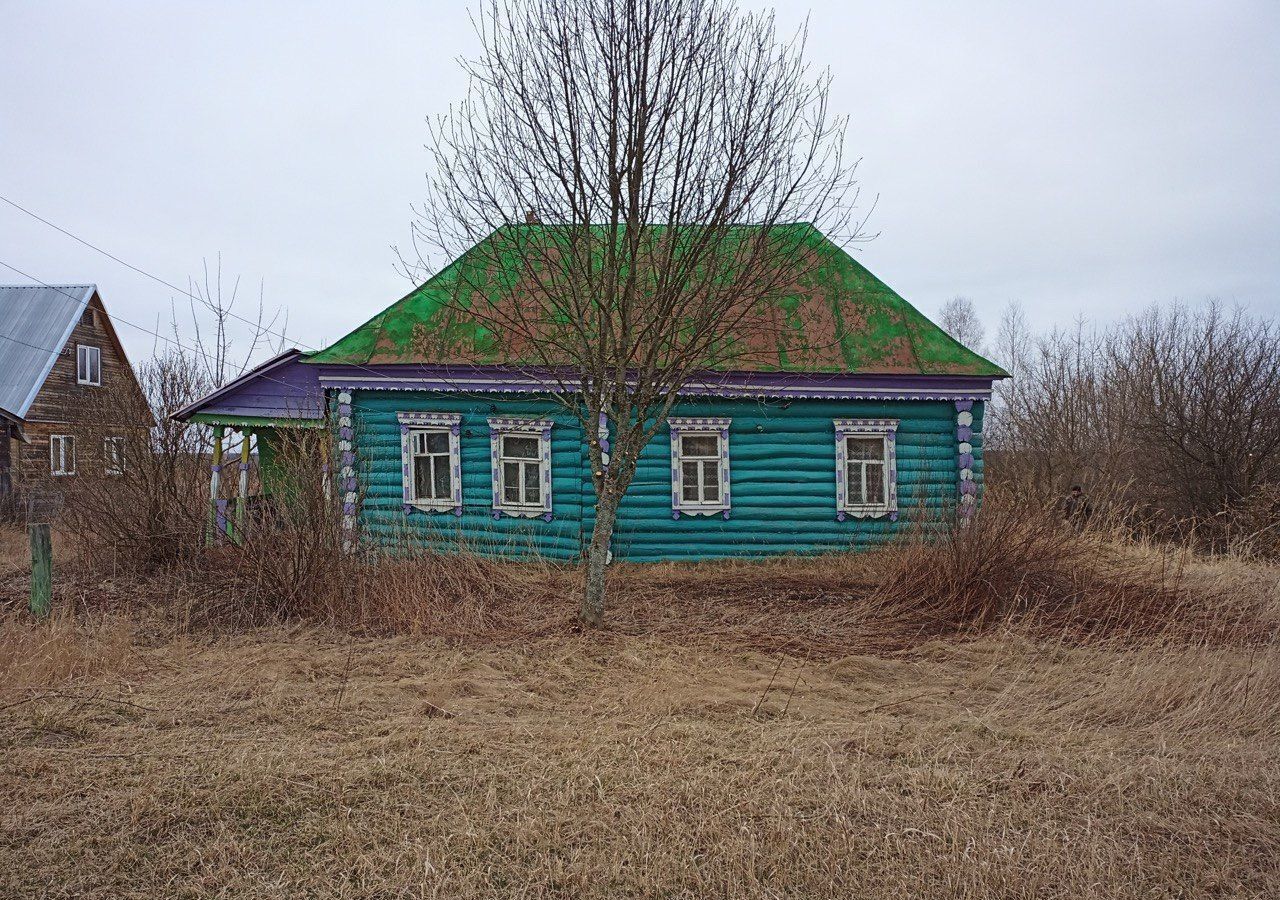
{"type": "Point", "coordinates": [656, 150]}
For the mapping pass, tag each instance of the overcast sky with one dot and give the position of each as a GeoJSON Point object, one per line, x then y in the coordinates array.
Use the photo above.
{"type": "Point", "coordinates": [1086, 159]}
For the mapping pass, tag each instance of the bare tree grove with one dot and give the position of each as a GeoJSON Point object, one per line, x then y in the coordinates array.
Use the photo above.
{"type": "Point", "coordinates": [1174, 412]}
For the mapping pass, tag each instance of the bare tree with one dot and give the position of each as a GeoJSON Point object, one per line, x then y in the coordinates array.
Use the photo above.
{"type": "Point", "coordinates": [631, 171]}
{"type": "Point", "coordinates": [959, 318]}
{"type": "Point", "coordinates": [223, 344]}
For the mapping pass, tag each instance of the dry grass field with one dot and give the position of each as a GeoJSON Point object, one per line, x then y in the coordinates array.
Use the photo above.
{"type": "Point", "coordinates": [740, 732]}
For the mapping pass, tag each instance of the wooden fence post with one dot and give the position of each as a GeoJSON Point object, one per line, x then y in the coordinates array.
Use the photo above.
{"type": "Point", "coordinates": [41, 569]}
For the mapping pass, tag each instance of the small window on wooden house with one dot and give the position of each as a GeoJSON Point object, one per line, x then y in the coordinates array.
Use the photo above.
{"type": "Point", "coordinates": [699, 466]}
{"type": "Point", "coordinates": [520, 453]}
{"type": "Point", "coordinates": [113, 455]}
{"type": "Point", "coordinates": [62, 454]}
{"type": "Point", "coordinates": [88, 365]}
{"type": "Point", "coordinates": [866, 468]}
{"type": "Point", "coordinates": [431, 461]}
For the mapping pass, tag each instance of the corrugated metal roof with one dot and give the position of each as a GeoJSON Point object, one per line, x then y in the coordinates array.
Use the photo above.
{"type": "Point", "coordinates": [35, 323]}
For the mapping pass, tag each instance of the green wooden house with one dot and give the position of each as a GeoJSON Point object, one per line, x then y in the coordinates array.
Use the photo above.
{"type": "Point", "coordinates": [817, 445]}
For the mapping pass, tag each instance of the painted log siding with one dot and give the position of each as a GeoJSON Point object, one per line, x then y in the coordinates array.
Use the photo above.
{"type": "Point", "coordinates": [782, 470]}
{"type": "Point", "coordinates": [384, 521]}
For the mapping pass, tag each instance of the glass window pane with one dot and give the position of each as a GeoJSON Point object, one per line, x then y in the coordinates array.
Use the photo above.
{"type": "Point", "coordinates": [875, 483]}
{"type": "Point", "coordinates": [422, 478]}
{"type": "Point", "coordinates": [865, 447]}
{"type": "Point", "coordinates": [510, 482]}
{"type": "Point", "coordinates": [711, 482]}
{"type": "Point", "coordinates": [853, 480]}
{"type": "Point", "coordinates": [689, 481]}
{"type": "Point", "coordinates": [437, 442]}
{"type": "Point", "coordinates": [700, 445]}
{"type": "Point", "coordinates": [441, 483]}
{"type": "Point", "coordinates": [532, 483]}
{"type": "Point", "coordinates": [520, 447]}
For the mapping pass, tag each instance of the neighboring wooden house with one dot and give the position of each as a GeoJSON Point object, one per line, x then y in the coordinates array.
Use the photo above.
{"type": "Point", "coordinates": [68, 396]}
{"type": "Point", "coordinates": [841, 442]}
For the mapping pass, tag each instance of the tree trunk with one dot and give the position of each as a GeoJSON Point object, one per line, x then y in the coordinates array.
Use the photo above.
{"type": "Point", "coordinates": [591, 615]}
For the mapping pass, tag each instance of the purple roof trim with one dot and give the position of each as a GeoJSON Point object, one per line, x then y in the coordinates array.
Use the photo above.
{"type": "Point", "coordinates": [287, 387]}
{"type": "Point", "coordinates": [280, 388]}
{"type": "Point", "coordinates": [498, 379]}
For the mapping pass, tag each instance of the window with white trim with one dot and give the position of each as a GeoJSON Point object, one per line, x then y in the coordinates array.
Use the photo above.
{"type": "Point", "coordinates": [866, 468]}
{"type": "Point", "coordinates": [113, 455]}
{"type": "Point", "coordinates": [699, 466]}
{"type": "Point", "coordinates": [62, 454]}
{"type": "Point", "coordinates": [431, 463]}
{"type": "Point", "coordinates": [88, 365]}
{"type": "Point", "coordinates": [520, 454]}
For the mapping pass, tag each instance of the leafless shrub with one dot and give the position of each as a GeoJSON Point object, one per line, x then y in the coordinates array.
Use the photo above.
{"type": "Point", "coordinates": [149, 512]}
{"type": "Point", "coordinates": [1173, 414]}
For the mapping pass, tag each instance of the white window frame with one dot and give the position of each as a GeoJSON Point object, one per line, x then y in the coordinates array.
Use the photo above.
{"type": "Point", "coordinates": [58, 458]}
{"type": "Point", "coordinates": [887, 431]}
{"type": "Point", "coordinates": [89, 365]}
{"type": "Point", "coordinates": [412, 423]}
{"type": "Point", "coordinates": [113, 460]}
{"type": "Point", "coordinates": [502, 427]}
{"type": "Point", "coordinates": [687, 426]}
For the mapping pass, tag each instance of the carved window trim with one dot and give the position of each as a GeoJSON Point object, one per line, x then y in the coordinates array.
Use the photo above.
{"type": "Point", "coordinates": [501, 427]}
{"type": "Point", "coordinates": [887, 431]}
{"type": "Point", "coordinates": [413, 423]}
{"type": "Point", "coordinates": [696, 426]}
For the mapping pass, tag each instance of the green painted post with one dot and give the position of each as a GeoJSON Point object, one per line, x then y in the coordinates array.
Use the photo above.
{"type": "Point", "coordinates": [41, 569]}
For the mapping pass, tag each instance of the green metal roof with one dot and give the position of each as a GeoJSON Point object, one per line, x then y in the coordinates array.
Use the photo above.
{"type": "Point", "coordinates": [836, 317]}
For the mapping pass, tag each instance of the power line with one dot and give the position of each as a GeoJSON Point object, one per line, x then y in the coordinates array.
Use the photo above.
{"type": "Point", "coordinates": [123, 321]}
{"type": "Point", "coordinates": [256, 325]}
{"type": "Point", "coordinates": [156, 278]}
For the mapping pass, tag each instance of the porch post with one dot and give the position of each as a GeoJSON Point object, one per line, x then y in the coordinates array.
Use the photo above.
{"type": "Point", "coordinates": [243, 494]}
{"type": "Point", "coordinates": [215, 477]}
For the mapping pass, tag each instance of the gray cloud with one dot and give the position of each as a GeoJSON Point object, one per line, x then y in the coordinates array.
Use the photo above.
{"type": "Point", "coordinates": [1086, 160]}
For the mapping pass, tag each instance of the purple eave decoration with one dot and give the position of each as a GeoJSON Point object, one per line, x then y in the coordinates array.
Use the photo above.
{"type": "Point", "coordinates": [726, 515]}
{"type": "Point", "coordinates": [546, 517]}
{"type": "Point", "coordinates": [348, 509]}
{"type": "Point", "coordinates": [244, 467]}
{"type": "Point", "coordinates": [893, 515]}
{"type": "Point", "coordinates": [840, 516]}
{"type": "Point", "coordinates": [456, 429]}
{"type": "Point", "coordinates": [345, 432]}
{"type": "Point", "coordinates": [407, 509]}
{"type": "Point", "coordinates": [351, 483]}
{"type": "Point", "coordinates": [966, 460]}
{"type": "Point", "coordinates": [497, 514]}
{"type": "Point", "coordinates": [964, 405]}
{"type": "Point", "coordinates": [348, 458]}
{"type": "Point", "coordinates": [457, 510]}
{"type": "Point", "coordinates": [404, 429]}
{"type": "Point", "coordinates": [604, 446]}
{"type": "Point", "coordinates": [215, 468]}
{"type": "Point", "coordinates": [968, 487]}
{"type": "Point", "coordinates": [964, 433]}
{"type": "Point", "coordinates": [675, 513]}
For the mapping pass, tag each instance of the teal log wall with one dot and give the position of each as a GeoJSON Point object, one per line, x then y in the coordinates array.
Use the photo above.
{"type": "Point", "coordinates": [383, 520]}
{"type": "Point", "coordinates": [782, 470]}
